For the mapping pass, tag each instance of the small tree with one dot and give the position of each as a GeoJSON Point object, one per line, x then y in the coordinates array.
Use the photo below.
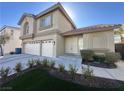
{"type": "Point", "coordinates": [61, 68]}
{"type": "Point", "coordinates": [87, 72]}
{"type": "Point", "coordinates": [30, 63]}
{"type": "Point", "coordinates": [52, 64]}
{"type": "Point", "coordinates": [18, 67]}
{"type": "Point", "coordinates": [119, 32]}
{"type": "Point", "coordinates": [4, 72]}
{"type": "Point", "coordinates": [37, 62]}
{"type": "Point", "coordinates": [45, 63]}
{"type": "Point", "coordinates": [72, 71]}
{"type": "Point", "coordinates": [3, 40]}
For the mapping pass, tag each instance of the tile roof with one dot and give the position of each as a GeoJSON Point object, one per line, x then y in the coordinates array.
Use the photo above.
{"type": "Point", "coordinates": [91, 29]}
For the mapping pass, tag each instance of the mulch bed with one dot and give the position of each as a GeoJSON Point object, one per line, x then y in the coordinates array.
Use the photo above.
{"type": "Point", "coordinates": [79, 79]}
{"type": "Point", "coordinates": [98, 64]}
{"type": "Point", "coordinates": [92, 82]}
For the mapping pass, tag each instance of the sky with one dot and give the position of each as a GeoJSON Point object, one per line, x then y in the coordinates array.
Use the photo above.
{"type": "Point", "coordinates": [83, 14]}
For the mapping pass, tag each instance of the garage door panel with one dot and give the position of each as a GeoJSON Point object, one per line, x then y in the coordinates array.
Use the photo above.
{"type": "Point", "coordinates": [33, 49]}
{"type": "Point", "coordinates": [47, 48]}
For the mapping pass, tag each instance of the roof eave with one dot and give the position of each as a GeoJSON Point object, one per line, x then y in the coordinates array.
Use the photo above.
{"type": "Point", "coordinates": [79, 32]}
{"type": "Point", "coordinates": [57, 6]}
{"type": "Point", "coordinates": [23, 16]}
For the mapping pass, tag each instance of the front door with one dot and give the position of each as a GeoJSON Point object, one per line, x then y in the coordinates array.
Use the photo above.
{"type": "Point", "coordinates": [71, 45]}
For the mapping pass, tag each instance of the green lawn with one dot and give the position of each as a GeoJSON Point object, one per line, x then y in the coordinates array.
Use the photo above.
{"type": "Point", "coordinates": [40, 79]}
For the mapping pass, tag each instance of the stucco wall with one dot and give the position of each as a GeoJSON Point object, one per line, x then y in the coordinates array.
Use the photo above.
{"type": "Point", "coordinates": [103, 40]}
{"type": "Point", "coordinates": [31, 22]}
{"type": "Point", "coordinates": [96, 40]}
{"type": "Point", "coordinates": [62, 23]}
{"type": "Point", "coordinates": [60, 45]}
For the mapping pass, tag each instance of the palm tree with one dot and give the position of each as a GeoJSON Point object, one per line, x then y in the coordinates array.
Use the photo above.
{"type": "Point", "coordinates": [3, 40]}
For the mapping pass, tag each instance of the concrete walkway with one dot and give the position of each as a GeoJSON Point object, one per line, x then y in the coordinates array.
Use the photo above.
{"type": "Point", "coordinates": [12, 60]}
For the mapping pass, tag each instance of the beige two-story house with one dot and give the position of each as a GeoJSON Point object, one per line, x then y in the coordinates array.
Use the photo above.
{"type": "Point", "coordinates": [53, 33]}
{"type": "Point", "coordinates": [13, 41]}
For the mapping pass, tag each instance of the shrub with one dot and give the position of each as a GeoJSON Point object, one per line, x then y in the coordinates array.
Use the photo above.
{"type": "Point", "coordinates": [18, 67]}
{"type": "Point", "coordinates": [45, 63]}
{"type": "Point", "coordinates": [4, 72]}
{"type": "Point", "coordinates": [52, 64]}
{"type": "Point", "coordinates": [111, 57]}
{"type": "Point", "coordinates": [99, 58]}
{"type": "Point", "coordinates": [72, 71]}
{"type": "Point", "coordinates": [31, 63]}
{"type": "Point", "coordinates": [61, 67]}
{"type": "Point", "coordinates": [87, 72]}
{"type": "Point", "coordinates": [87, 55]}
{"type": "Point", "coordinates": [37, 62]}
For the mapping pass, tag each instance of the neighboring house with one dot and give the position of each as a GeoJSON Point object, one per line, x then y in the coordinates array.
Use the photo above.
{"type": "Point", "coordinates": [52, 33]}
{"type": "Point", "coordinates": [13, 41]}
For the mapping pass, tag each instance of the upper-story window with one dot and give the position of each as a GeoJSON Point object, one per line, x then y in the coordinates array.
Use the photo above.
{"type": "Point", "coordinates": [46, 21]}
{"type": "Point", "coordinates": [26, 28]}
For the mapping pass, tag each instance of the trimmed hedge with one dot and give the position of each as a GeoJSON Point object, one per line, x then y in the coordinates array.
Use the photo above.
{"type": "Point", "coordinates": [99, 58]}
{"type": "Point", "coordinates": [111, 57]}
{"type": "Point", "coordinates": [87, 55]}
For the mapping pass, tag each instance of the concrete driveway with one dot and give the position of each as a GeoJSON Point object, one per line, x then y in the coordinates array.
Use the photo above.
{"type": "Point", "coordinates": [12, 60]}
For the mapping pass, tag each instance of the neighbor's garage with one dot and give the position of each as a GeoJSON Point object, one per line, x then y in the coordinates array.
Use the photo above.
{"type": "Point", "coordinates": [47, 48]}
{"type": "Point", "coordinates": [32, 48]}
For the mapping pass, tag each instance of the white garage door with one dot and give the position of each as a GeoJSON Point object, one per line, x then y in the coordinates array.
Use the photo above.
{"type": "Point", "coordinates": [33, 49]}
{"type": "Point", "coordinates": [47, 48]}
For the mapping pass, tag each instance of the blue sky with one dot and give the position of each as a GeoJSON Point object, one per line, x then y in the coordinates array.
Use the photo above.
{"type": "Point", "coordinates": [83, 14]}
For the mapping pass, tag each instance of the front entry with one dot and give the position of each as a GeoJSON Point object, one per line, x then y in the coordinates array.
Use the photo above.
{"type": "Point", "coordinates": [71, 45]}
{"type": "Point", "coordinates": [47, 48]}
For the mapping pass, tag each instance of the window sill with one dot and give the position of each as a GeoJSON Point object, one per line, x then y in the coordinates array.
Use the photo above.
{"type": "Point", "coordinates": [44, 28]}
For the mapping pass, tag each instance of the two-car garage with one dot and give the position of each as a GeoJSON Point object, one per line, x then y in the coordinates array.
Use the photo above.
{"type": "Point", "coordinates": [43, 48]}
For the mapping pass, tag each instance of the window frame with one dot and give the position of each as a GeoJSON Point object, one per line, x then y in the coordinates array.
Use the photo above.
{"type": "Point", "coordinates": [42, 27]}
{"type": "Point", "coordinates": [25, 31]}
